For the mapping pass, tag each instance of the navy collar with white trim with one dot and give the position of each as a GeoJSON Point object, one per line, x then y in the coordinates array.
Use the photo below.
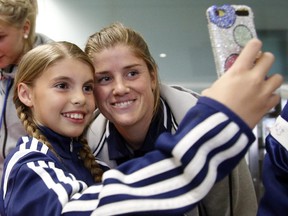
{"type": "Point", "coordinates": [119, 149]}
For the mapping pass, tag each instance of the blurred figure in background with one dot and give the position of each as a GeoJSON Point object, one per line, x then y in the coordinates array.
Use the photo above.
{"type": "Point", "coordinates": [17, 37]}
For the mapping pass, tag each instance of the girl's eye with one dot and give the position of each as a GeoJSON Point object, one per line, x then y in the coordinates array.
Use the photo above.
{"type": "Point", "coordinates": [88, 88]}
{"type": "Point", "coordinates": [2, 37]}
{"type": "Point", "coordinates": [61, 85]}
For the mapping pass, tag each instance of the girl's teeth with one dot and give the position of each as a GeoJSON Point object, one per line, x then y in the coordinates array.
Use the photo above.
{"type": "Point", "coordinates": [74, 115]}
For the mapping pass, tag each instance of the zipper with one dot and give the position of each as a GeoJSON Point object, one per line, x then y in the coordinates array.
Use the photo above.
{"type": "Point", "coordinates": [71, 145]}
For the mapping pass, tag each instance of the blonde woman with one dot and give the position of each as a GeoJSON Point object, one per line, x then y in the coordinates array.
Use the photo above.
{"type": "Point", "coordinates": [135, 109]}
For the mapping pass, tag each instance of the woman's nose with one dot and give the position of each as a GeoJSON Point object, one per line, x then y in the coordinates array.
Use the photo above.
{"type": "Point", "coordinates": [120, 87]}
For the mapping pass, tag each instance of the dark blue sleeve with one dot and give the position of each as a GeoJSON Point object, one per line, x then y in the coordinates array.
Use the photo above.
{"type": "Point", "coordinates": [275, 180]}
{"type": "Point", "coordinates": [170, 180]}
{"type": "Point", "coordinates": [275, 169]}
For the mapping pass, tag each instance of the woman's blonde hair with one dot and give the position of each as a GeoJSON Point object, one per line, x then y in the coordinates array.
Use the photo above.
{"type": "Point", "coordinates": [116, 34]}
{"type": "Point", "coordinates": [16, 13]}
{"type": "Point", "coordinates": [31, 66]}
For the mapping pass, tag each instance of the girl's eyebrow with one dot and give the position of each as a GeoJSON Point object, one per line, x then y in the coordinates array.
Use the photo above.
{"type": "Point", "coordinates": [67, 78]}
{"type": "Point", "coordinates": [60, 78]}
{"type": "Point", "coordinates": [90, 81]}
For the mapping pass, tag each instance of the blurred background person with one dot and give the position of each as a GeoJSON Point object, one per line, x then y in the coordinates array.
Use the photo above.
{"type": "Point", "coordinates": [17, 37]}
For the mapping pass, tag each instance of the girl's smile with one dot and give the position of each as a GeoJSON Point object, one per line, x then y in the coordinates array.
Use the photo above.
{"type": "Point", "coordinates": [62, 97]}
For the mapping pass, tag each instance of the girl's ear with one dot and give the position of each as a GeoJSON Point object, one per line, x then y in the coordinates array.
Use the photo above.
{"type": "Point", "coordinates": [25, 94]}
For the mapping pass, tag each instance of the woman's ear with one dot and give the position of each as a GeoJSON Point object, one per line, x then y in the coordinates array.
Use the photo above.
{"type": "Point", "coordinates": [25, 94]}
{"type": "Point", "coordinates": [26, 29]}
{"type": "Point", "coordinates": [153, 76]}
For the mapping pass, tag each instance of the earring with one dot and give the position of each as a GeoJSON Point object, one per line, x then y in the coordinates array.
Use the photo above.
{"type": "Point", "coordinates": [25, 36]}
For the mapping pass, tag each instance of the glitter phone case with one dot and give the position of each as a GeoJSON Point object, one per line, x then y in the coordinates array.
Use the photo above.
{"type": "Point", "coordinates": [230, 28]}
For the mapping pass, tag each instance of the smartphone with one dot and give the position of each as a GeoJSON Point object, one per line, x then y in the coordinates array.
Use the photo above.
{"type": "Point", "coordinates": [230, 27]}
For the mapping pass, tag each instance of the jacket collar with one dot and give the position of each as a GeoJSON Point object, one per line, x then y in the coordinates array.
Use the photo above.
{"type": "Point", "coordinates": [64, 146]}
{"type": "Point", "coordinates": [119, 149]}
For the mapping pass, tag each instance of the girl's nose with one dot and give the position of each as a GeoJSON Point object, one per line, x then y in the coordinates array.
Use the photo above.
{"type": "Point", "coordinates": [78, 98]}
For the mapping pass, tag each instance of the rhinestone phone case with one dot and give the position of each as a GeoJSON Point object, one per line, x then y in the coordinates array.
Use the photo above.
{"type": "Point", "coordinates": [230, 28]}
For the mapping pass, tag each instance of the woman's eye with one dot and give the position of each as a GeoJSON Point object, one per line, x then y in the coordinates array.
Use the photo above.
{"type": "Point", "coordinates": [133, 73]}
{"type": "Point", "coordinates": [103, 79]}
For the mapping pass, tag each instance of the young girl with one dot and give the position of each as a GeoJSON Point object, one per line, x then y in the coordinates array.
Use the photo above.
{"type": "Point", "coordinates": [52, 171]}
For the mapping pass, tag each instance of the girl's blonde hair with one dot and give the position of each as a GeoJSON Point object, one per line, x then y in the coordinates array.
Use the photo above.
{"type": "Point", "coordinates": [31, 66]}
{"type": "Point", "coordinates": [16, 13]}
{"type": "Point", "coordinates": [116, 34]}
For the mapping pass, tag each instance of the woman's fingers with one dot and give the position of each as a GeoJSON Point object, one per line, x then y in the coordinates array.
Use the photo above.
{"type": "Point", "coordinates": [249, 54]}
{"type": "Point", "coordinates": [273, 83]}
{"type": "Point", "coordinates": [263, 64]}
{"type": "Point", "coordinates": [245, 87]}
